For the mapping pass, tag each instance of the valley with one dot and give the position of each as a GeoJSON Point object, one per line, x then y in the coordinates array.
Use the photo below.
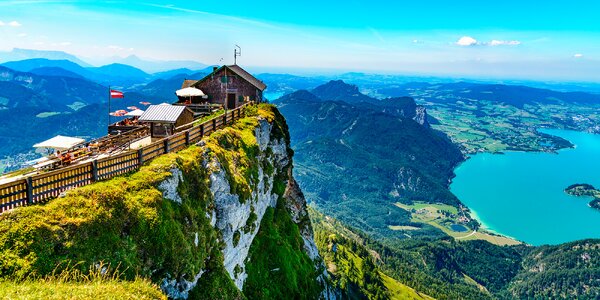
{"type": "Point", "coordinates": [394, 209]}
{"type": "Point", "coordinates": [497, 118]}
{"type": "Point", "coordinates": [377, 171]}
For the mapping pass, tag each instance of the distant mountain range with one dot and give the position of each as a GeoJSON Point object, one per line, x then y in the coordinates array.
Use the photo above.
{"type": "Point", "coordinates": [23, 54]}
{"type": "Point", "coordinates": [154, 66]}
{"type": "Point", "coordinates": [47, 101]}
{"type": "Point", "coordinates": [56, 83]}
{"type": "Point", "coordinates": [117, 75]}
{"type": "Point", "coordinates": [147, 65]}
{"type": "Point", "coordinates": [514, 95]}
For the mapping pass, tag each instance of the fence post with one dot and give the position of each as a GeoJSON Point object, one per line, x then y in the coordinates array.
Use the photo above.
{"type": "Point", "coordinates": [29, 184]}
{"type": "Point", "coordinates": [225, 119]}
{"type": "Point", "coordinates": [167, 145]}
{"type": "Point", "coordinates": [187, 137]}
{"type": "Point", "coordinates": [95, 170]}
{"type": "Point", "coordinates": [140, 157]}
{"type": "Point", "coordinates": [215, 124]}
{"type": "Point", "coordinates": [202, 131]}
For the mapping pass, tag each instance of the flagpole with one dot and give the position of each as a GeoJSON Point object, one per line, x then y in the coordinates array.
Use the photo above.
{"type": "Point", "coordinates": [108, 125]}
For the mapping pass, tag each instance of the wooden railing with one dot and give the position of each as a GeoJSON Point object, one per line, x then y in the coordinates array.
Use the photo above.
{"type": "Point", "coordinates": [42, 187]}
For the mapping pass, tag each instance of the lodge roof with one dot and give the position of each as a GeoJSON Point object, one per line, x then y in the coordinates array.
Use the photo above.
{"type": "Point", "coordinates": [238, 71]}
{"type": "Point", "coordinates": [162, 113]}
{"type": "Point", "coordinates": [188, 82]}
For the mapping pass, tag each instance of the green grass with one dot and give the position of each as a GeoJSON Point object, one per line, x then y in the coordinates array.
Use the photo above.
{"type": "Point", "coordinates": [215, 114]}
{"type": "Point", "coordinates": [399, 291]}
{"type": "Point", "coordinates": [138, 289]}
{"type": "Point", "coordinates": [429, 206]}
{"type": "Point", "coordinates": [401, 227]}
{"type": "Point", "coordinates": [48, 114]}
{"type": "Point", "coordinates": [431, 214]}
{"type": "Point", "coordinates": [100, 282]}
{"type": "Point", "coordinates": [77, 105]}
{"type": "Point", "coordinates": [18, 172]}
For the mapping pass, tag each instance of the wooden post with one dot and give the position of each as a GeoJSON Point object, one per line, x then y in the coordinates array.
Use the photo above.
{"type": "Point", "coordinates": [167, 145]}
{"type": "Point", "coordinates": [95, 170]}
{"type": "Point", "coordinates": [225, 119]}
{"type": "Point", "coordinates": [29, 185]}
{"type": "Point", "coordinates": [215, 124]}
{"type": "Point", "coordinates": [187, 137]}
{"type": "Point", "coordinates": [140, 157]}
{"type": "Point", "coordinates": [202, 131]}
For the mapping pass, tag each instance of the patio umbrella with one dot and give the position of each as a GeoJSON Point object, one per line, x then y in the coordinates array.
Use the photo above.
{"type": "Point", "coordinates": [135, 113]}
{"type": "Point", "coordinates": [60, 142]}
{"type": "Point", "coordinates": [121, 111]}
{"type": "Point", "coordinates": [145, 103]}
{"type": "Point", "coordinates": [189, 92]}
{"type": "Point", "coordinates": [117, 113]}
{"type": "Point", "coordinates": [132, 107]}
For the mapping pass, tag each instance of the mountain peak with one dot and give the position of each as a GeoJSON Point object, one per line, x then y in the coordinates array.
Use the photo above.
{"type": "Point", "coordinates": [23, 54]}
{"type": "Point", "coordinates": [338, 90]}
{"type": "Point", "coordinates": [299, 95]}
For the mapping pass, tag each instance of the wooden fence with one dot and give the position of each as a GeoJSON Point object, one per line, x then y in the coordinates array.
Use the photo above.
{"type": "Point", "coordinates": [42, 187]}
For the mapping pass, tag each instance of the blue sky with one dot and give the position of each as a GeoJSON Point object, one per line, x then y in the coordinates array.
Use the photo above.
{"type": "Point", "coordinates": [551, 40]}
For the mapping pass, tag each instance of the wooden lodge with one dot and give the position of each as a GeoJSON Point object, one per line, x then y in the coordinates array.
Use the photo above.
{"type": "Point", "coordinates": [228, 86]}
{"type": "Point", "coordinates": [166, 119]}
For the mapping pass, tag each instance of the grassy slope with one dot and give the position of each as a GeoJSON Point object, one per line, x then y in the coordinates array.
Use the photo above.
{"type": "Point", "coordinates": [138, 289]}
{"type": "Point", "coordinates": [287, 272]}
{"type": "Point", "coordinates": [126, 224]}
{"type": "Point", "coordinates": [353, 267]}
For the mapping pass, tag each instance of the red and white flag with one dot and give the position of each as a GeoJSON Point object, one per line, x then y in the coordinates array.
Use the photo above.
{"type": "Point", "coordinates": [116, 94]}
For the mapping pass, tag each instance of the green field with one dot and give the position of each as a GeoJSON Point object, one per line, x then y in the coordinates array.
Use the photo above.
{"type": "Point", "coordinates": [486, 126]}
{"type": "Point", "coordinates": [441, 216]}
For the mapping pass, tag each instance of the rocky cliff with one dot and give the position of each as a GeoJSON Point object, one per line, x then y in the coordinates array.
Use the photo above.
{"type": "Point", "coordinates": [223, 219]}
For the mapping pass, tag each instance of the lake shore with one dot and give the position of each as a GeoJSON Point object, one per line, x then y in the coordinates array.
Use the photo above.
{"type": "Point", "coordinates": [520, 195]}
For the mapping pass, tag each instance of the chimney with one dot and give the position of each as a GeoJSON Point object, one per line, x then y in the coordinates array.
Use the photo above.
{"type": "Point", "coordinates": [215, 68]}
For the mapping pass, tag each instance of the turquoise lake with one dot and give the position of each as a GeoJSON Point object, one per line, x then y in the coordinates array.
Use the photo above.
{"type": "Point", "coordinates": [521, 194]}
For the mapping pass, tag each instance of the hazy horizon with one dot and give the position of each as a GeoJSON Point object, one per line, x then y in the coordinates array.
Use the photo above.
{"type": "Point", "coordinates": [510, 40]}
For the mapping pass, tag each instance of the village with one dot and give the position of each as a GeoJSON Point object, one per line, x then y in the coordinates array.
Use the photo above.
{"type": "Point", "coordinates": [203, 106]}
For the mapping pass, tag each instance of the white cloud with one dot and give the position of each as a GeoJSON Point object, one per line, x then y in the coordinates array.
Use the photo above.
{"type": "Point", "coordinates": [503, 43]}
{"type": "Point", "coordinates": [11, 24]}
{"type": "Point", "coordinates": [22, 34]}
{"type": "Point", "coordinates": [114, 47]}
{"type": "Point", "coordinates": [578, 55]}
{"type": "Point", "coordinates": [466, 41]}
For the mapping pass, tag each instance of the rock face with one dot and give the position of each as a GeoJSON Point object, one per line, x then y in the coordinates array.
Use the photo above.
{"type": "Point", "coordinates": [421, 116]}
{"type": "Point", "coordinates": [237, 219]}
{"type": "Point", "coordinates": [232, 215]}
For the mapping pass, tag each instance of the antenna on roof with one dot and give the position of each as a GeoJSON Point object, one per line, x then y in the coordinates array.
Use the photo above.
{"type": "Point", "coordinates": [237, 51]}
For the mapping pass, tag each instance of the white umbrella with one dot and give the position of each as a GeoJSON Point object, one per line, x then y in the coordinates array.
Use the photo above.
{"type": "Point", "coordinates": [60, 142]}
{"type": "Point", "coordinates": [189, 92]}
{"type": "Point", "coordinates": [135, 113]}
